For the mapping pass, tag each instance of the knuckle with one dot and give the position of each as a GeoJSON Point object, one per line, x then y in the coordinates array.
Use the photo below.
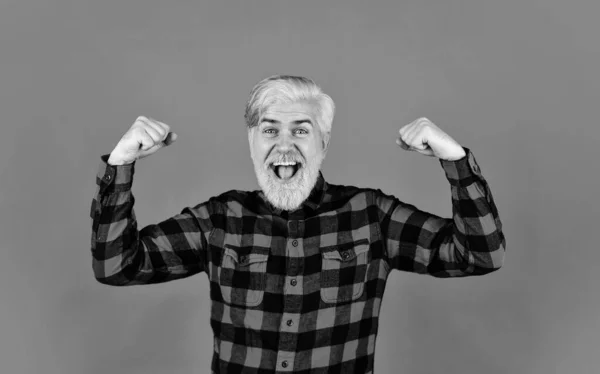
{"type": "Point", "coordinates": [158, 130]}
{"type": "Point", "coordinates": [152, 120]}
{"type": "Point", "coordinates": [135, 131]}
{"type": "Point", "coordinates": [141, 133]}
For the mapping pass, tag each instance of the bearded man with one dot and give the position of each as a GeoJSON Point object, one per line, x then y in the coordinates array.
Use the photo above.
{"type": "Point", "coordinates": [297, 269]}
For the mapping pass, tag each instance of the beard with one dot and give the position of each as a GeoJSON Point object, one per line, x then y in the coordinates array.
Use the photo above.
{"type": "Point", "coordinates": [290, 194]}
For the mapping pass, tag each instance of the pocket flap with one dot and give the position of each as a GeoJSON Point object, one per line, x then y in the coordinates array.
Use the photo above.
{"type": "Point", "coordinates": [346, 252]}
{"type": "Point", "coordinates": [246, 257]}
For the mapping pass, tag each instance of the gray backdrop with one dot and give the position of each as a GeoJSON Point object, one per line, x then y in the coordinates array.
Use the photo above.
{"type": "Point", "coordinates": [516, 81]}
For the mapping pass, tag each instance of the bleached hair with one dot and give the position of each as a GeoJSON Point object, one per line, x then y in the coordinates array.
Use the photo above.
{"type": "Point", "coordinates": [287, 89]}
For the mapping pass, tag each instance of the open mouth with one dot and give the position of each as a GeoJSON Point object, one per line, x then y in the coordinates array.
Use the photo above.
{"type": "Point", "coordinates": [285, 172]}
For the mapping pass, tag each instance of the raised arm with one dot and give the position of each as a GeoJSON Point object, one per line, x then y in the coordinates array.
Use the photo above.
{"type": "Point", "coordinates": [121, 255]}
{"type": "Point", "coordinates": [469, 243]}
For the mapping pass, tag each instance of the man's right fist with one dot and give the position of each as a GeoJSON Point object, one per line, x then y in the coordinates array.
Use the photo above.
{"type": "Point", "coordinates": [143, 138]}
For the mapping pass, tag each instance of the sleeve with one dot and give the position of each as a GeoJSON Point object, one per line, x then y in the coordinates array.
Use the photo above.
{"type": "Point", "coordinates": [121, 255]}
{"type": "Point", "coordinates": [470, 243]}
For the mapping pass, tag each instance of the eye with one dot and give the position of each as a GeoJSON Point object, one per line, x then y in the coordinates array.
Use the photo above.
{"type": "Point", "coordinates": [271, 131]}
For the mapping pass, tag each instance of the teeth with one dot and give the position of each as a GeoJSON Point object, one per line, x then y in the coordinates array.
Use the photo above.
{"type": "Point", "coordinates": [284, 163]}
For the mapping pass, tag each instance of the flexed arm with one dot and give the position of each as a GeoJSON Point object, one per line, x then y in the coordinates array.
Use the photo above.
{"type": "Point", "coordinates": [122, 255]}
{"type": "Point", "coordinates": [469, 243]}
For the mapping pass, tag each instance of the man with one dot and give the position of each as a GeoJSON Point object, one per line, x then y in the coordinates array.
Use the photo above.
{"type": "Point", "coordinates": [297, 269]}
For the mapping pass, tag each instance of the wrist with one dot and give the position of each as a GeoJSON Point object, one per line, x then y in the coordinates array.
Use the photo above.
{"type": "Point", "coordinates": [117, 161]}
{"type": "Point", "coordinates": [455, 157]}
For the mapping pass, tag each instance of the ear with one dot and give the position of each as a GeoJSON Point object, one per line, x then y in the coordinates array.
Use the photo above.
{"type": "Point", "coordinates": [326, 139]}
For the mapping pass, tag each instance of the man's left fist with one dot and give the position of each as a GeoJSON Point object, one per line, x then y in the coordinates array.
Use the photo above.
{"type": "Point", "coordinates": [425, 137]}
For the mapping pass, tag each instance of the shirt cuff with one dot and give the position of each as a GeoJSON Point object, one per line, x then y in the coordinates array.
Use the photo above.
{"type": "Point", "coordinates": [463, 171]}
{"type": "Point", "coordinates": [114, 178]}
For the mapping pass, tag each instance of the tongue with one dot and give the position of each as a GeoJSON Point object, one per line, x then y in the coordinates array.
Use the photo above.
{"type": "Point", "coordinates": [285, 172]}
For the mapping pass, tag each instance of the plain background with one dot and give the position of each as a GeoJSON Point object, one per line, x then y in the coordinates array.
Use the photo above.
{"type": "Point", "coordinates": [515, 81]}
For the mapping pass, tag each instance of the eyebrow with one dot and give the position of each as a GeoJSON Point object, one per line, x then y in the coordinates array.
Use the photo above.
{"type": "Point", "coordinates": [276, 122]}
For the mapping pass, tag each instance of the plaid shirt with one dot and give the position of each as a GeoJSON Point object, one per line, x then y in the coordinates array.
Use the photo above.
{"type": "Point", "coordinates": [296, 291]}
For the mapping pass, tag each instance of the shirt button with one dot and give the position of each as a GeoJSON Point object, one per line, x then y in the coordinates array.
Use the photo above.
{"type": "Point", "coordinates": [284, 364]}
{"type": "Point", "coordinates": [345, 255]}
{"type": "Point", "coordinates": [243, 259]}
{"type": "Point", "coordinates": [107, 177]}
{"type": "Point", "coordinates": [293, 282]}
{"type": "Point", "coordinates": [295, 243]}
{"type": "Point", "coordinates": [289, 322]}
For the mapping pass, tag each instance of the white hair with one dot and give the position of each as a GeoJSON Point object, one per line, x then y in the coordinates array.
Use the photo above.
{"type": "Point", "coordinates": [280, 89]}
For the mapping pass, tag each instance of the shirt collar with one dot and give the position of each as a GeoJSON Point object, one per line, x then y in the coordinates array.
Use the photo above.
{"type": "Point", "coordinates": [312, 202]}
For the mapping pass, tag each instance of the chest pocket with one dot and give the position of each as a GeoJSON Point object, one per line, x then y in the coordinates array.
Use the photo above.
{"type": "Point", "coordinates": [242, 275]}
{"type": "Point", "coordinates": [344, 271]}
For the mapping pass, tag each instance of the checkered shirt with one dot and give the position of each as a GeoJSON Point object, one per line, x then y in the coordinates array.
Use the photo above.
{"type": "Point", "coordinates": [296, 291]}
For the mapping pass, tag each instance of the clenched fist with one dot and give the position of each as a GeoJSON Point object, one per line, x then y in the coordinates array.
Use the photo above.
{"type": "Point", "coordinates": [143, 138]}
{"type": "Point", "coordinates": [425, 137]}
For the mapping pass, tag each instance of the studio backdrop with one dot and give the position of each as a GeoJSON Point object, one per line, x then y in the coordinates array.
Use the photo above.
{"type": "Point", "coordinates": [515, 81]}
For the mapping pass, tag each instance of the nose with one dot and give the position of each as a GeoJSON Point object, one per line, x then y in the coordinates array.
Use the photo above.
{"type": "Point", "coordinates": [285, 143]}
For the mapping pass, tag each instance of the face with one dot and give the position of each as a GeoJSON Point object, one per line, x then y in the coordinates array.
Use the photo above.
{"type": "Point", "coordinates": [288, 133]}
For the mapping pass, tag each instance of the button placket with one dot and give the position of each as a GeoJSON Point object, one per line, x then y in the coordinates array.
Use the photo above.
{"type": "Point", "coordinates": [289, 321]}
{"type": "Point", "coordinates": [285, 360]}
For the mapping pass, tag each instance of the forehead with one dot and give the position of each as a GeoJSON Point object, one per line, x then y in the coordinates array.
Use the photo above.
{"type": "Point", "coordinates": [293, 110]}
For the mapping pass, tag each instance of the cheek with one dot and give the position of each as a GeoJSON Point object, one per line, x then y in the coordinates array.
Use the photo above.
{"type": "Point", "coordinates": [311, 151]}
{"type": "Point", "coordinates": [259, 150]}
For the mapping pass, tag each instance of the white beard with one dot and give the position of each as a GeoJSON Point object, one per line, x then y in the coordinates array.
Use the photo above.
{"type": "Point", "coordinates": [291, 195]}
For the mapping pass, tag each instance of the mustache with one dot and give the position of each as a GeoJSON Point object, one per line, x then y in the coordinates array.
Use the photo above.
{"type": "Point", "coordinates": [286, 158]}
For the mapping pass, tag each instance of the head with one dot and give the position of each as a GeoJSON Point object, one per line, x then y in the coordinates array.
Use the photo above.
{"type": "Point", "coordinates": [289, 121]}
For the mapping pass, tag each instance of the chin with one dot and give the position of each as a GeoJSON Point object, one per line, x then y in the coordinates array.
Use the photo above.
{"type": "Point", "coordinates": [290, 194]}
